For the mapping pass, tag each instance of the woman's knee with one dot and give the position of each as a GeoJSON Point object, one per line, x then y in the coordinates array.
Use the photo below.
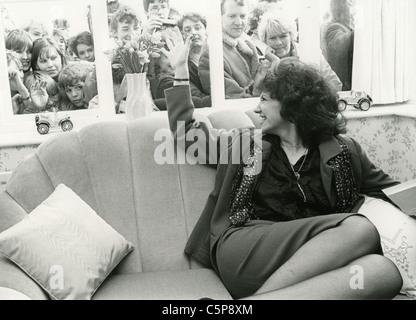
{"type": "Point", "coordinates": [382, 279]}
{"type": "Point", "coordinates": [363, 233]}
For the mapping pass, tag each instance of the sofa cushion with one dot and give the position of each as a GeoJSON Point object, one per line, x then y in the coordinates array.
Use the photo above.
{"type": "Point", "coordinates": [65, 246]}
{"type": "Point", "coordinates": [398, 239]}
{"type": "Point", "coordinates": [168, 199]}
{"type": "Point", "coordinates": [166, 285]}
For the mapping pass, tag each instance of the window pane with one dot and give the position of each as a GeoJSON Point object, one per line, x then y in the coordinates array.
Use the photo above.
{"type": "Point", "coordinates": [50, 56]}
{"type": "Point", "coordinates": [337, 37]}
{"type": "Point", "coordinates": [132, 19]}
{"type": "Point", "coordinates": [254, 34]}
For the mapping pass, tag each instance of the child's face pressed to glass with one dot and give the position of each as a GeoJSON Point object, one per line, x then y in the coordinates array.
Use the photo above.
{"type": "Point", "coordinates": [159, 8]}
{"type": "Point", "coordinates": [196, 30]}
{"type": "Point", "coordinates": [54, 99]}
{"type": "Point", "coordinates": [234, 18]}
{"type": "Point", "coordinates": [25, 57]}
{"type": "Point", "coordinates": [35, 31]}
{"type": "Point", "coordinates": [86, 52]}
{"type": "Point", "coordinates": [75, 94]}
{"type": "Point", "coordinates": [113, 5]}
{"type": "Point", "coordinates": [50, 62]}
{"type": "Point", "coordinates": [61, 42]}
{"type": "Point", "coordinates": [126, 29]}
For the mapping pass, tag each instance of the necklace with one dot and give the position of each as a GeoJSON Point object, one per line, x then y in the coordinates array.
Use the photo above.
{"type": "Point", "coordinates": [297, 174]}
{"type": "Point", "coordinates": [290, 146]}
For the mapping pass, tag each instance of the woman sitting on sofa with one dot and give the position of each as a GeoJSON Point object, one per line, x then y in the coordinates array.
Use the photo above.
{"type": "Point", "coordinates": [287, 225]}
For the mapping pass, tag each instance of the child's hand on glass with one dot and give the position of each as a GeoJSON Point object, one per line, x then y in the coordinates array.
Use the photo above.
{"type": "Point", "coordinates": [38, 94]}
{"type": "Point", "coordinates": [15, 78]}
{"type": "Point", "coordinates": [13, 71]}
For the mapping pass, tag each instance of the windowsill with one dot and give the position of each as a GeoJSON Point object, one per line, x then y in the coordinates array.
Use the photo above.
{"type": "Point", "coordinates": [407, 110]}
{"type": "Point", "coordinates": [32, 137]}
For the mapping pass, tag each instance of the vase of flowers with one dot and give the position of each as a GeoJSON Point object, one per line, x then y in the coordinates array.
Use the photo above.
{"type": "Point", "coordinates": [139, 101]}
{"type": "Point", "coordinates": [133, 56]}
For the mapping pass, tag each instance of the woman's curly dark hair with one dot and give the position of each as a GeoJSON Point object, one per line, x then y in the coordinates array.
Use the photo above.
{"type": "Point", "coordinates": [307, 99]}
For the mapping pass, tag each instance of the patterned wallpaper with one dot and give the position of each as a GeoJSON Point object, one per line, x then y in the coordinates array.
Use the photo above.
{"type": "Point", "coordinates": [10, 157]}
{"type": "Point", "coordinates": [390, 142]}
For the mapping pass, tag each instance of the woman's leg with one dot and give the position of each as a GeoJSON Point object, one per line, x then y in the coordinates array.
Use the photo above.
{"type": "Point", "coordinates": [369, 277]}
{"type": "Point", "coordinates": [332, 249]}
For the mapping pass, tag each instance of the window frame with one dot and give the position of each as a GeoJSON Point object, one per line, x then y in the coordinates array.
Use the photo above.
{"type": "Point", "coordinates": [21, 129]}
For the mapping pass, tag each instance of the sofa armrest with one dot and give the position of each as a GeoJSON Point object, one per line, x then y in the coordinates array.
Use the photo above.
{"type": "Point", "coordinates": [10, 212]}
{"type": "Point", "coordinates": [12, 277]}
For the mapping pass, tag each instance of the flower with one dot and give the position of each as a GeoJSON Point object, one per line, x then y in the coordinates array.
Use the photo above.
{"type": "Point", "coordinates": [133, 55]}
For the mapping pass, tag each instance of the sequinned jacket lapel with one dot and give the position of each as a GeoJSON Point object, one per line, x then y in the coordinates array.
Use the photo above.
{"type": "Point", "coordinates": [328, 150]}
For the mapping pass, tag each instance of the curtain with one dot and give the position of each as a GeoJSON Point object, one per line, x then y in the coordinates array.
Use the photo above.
{"type": "Point", "coordinates": [385, 50]}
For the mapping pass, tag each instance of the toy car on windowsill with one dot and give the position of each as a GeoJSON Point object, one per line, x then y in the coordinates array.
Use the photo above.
{"type": "Point", "coordinates": [358, 99]}
{"type": "Point", "coordinates": [46, 121]}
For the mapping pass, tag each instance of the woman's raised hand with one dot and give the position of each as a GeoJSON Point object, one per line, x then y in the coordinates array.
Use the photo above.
{"type": "Point", "coordinates": [178, 52]}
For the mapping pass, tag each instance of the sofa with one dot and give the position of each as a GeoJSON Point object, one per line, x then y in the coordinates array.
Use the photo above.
{"type": "Point", "coordinates": [110, 165]}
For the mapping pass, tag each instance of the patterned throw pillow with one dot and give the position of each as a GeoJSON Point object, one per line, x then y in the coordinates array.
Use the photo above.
{"type": "Point", "coordinates": [398, 239]}
{"type": "Point", "coordinates": [65, 246]}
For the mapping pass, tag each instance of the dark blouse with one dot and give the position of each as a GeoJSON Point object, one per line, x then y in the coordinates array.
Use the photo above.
{"type": "Point", "coordinates": [277, 195]}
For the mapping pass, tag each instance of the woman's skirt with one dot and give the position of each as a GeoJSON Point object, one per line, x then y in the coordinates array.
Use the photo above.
{"type": "Point", "coordinates": [247, 256]}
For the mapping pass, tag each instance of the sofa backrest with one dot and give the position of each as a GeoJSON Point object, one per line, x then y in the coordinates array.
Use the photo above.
{"type": "Point", "coordinates": [111, 166]}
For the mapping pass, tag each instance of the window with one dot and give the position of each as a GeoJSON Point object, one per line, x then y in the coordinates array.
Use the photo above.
{"type": "Point", "coordinates": [130, 18]}
{"type": "Point", "coordinates": [302, 15]}
{"type": "Point", "coordinates": [71, 17]}
{"type": "Point", "coordinates": [59, 22]}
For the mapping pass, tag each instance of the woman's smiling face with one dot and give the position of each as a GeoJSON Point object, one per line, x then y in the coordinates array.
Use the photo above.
{"type": "Point", "coordinates": [269, 112]}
